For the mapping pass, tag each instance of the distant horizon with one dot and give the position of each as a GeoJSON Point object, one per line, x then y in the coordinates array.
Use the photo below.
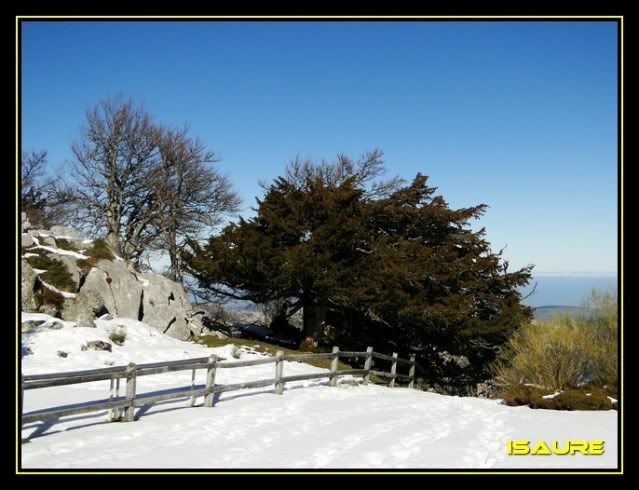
{"type": "Point", "coordinates": [566, 289]}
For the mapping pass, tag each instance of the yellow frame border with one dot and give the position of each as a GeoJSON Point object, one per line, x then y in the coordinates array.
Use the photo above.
{"type": "Point", "coordinates": [327, 17]}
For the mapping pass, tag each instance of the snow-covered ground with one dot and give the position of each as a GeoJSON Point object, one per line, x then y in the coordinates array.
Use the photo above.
{"type": "Point", "coordinates": [310, 426]}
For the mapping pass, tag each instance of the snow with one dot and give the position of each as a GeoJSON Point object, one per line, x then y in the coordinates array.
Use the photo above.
{"type": "Point", "coordinates": [64, 294]}
{"type": "Point", "coordinates": [61, 251]}
{"type": "Point", "coordinates": [311, 426]}
{"type": "Point", "coordinates": [554, 395]}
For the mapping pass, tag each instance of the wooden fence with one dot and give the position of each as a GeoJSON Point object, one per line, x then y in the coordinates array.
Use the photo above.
{"type": "Point", "coordinates": [122, 408]}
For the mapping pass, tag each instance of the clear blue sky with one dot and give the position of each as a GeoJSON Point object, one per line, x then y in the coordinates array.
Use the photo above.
{"type": "Point", "coordinates": [518, 115]}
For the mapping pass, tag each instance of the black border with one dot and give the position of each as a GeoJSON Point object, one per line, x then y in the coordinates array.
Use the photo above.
{"type": "Point", "coordinates": [313, 17]}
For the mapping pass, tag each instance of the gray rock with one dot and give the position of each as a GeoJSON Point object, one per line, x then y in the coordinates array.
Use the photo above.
{"type": "Point", "coordinates": [71, 266]}
{"type": "Point", "coordinates": [48, 309]}
{"type": "Point", "coordinates": [31, 325]}
{"type": "Point", "coordinates": [25, 222]}
{"type": "Point", "coordinates": [55, 325]}
{"type": "Point", "coordinates": [106, 316]}
{"type": "Point", "coordinates": [26, 240]}
{"type": "Point", "coordinates": [85, 320]}
{"type": "Point", "coordinates": [83, 308]}
{"type": "Point", "coordinates": [28, 281]}
{"type": "Point", "coordinates": [196, 323]}
{"type": "Point", "coordinates": [99, 345]}
{"type": "Point", "coordinates": [165, 306]}
{"type": "Point", "coordinates": [49, 241]}
{"type": "Point", "coordinates": [119, 289]}
{"type": "Point", "coordinates": [486, 390]}
{"type": "Point", "coordinates": [62, 353]}
{"type": "Point", "coordinates": [68, 233]}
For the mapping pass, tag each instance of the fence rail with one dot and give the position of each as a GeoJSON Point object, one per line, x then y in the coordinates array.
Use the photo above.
{"type": "Point", "coordinates": [122, 408]}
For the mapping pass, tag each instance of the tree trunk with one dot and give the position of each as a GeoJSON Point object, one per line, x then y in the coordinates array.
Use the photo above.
{"type": "Point", "coordinates": [315, 325]}
{"type": "Point", "coordinates": [113, 239]}
{"type": "Point", "coordinates": [174, 255]}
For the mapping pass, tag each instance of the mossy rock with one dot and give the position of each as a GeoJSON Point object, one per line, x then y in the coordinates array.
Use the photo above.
{"type": "Point", "coordinates": [65, 244]}
{"type": "Point", "coordinates": [49, 301]}
{"type": "Point", "coordinates": [57, 274]}
{"type": "Point", "coordinates": [99, 250]}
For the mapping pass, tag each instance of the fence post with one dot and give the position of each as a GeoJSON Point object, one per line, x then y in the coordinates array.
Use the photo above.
{"type": "Point", "coordinates": [210, 380]}
{"type": "Point", "coordinates": [192, 399]}
{"type": "Point", "coordinates": [393, 370]}
{"type": "Point", "coordinates": [131, 376]}
{"type": "Point", "coordinates": [115, 414]}
{"type": "Point", "coordinates": [367, 364]}
{"type": "Point", "coordinates": [332, 381]}
{"type": "Point", "coordinates": [22, 441]}
{"type": "Point", "coordinates": [411, 373]}
{"type": "Point", "coordinates": [279, 371]}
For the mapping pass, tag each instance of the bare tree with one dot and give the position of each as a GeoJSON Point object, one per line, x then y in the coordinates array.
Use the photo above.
{"type": "Point", "coordinates": [365, 172]}
{"type": "Point", "coordinates": [191, 194]}
{"type": "Point", "coordinates": [42, 197]}
{"type": "Point", "coordinates": [115, 162]}
{"type": "Point", "coordinates": [32, 171]}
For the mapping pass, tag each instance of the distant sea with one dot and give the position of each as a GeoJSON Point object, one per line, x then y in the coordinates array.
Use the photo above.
{"type": "Point", "coordinates": [566, 290]}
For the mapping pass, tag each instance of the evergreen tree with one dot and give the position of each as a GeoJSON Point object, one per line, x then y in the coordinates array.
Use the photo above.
{"type": "Point", "coordinates": [397, 269]}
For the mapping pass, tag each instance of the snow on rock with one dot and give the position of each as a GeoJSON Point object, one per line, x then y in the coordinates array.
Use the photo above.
{"type": "Point", "coordinates": [61, 251]}
{"type": "Point", "coordinates": [64, 294]}
{"type": "Point", "coordinates": [310, 426]}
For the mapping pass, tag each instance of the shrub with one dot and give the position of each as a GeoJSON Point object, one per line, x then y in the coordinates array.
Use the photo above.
{"type": "Point", "coordinates": [99, 250]}
{"type": "Point", "coordinates": [57, 274]}
{"type": "Point", "coordinates": [602, 322]}
{"type": "Point", "coordinates": [564, 352]}
{"type": "Point", "coordinates": [118, 335]}
{"type": "Point", "coordinates": [554, 355]}
{"type": "Point", "coordinates": [65, 244]}
{"type": "Point", "coordinates": [574, 400]}
{"type": "Point", "coordinates": [518, 395]}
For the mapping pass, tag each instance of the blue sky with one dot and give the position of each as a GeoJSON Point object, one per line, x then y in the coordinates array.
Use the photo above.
{"type": "Point", "coordinates": [518, 115]}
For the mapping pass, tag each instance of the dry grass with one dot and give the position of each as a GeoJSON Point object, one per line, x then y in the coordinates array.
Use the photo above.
{"type": "Point", "coordinates": [564, 352]}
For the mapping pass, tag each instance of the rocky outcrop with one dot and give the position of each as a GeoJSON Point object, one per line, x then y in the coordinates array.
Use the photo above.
{"type": "Point", "coordinates": [26, 240]}
{"type": "Point", "coordinates": [26, 226]}
{"type": "Point", "coordinates": [65, 232]}
{"type": "Point", "coordinates": [83, 309]}
{"type": "Point", "coordinates": [99, 288]}
{"type": "Point", "coordinates": [165, 306]}
{"type": "Point", "coordinates": [71, 266]}
{"type": "Point", "coordinates": [119, 289]}
{"type": "Point", "coordinates": [28, 282]}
